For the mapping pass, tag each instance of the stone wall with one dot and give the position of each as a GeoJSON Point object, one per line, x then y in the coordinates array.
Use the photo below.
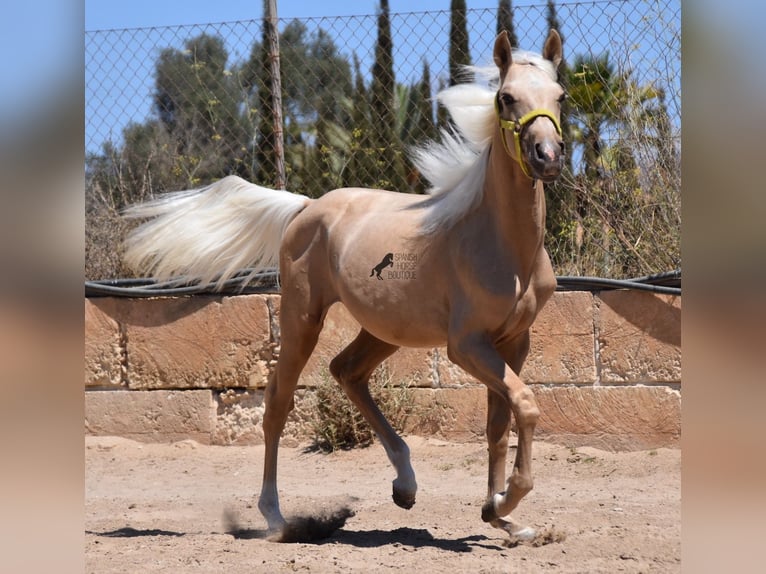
{"type": "Point", "coordinates": [605, 368]}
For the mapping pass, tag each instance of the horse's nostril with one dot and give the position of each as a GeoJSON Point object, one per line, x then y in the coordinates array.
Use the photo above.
{"type": "Point", "coordinates": [546, 152]}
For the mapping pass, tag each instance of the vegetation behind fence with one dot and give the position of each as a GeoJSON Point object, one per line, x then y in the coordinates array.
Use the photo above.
{"type": "Point", "coordinates": [179, 107]}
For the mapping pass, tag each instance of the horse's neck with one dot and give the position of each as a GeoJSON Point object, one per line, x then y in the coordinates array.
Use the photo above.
{"type": "Point", "coordinates": [516, 205]}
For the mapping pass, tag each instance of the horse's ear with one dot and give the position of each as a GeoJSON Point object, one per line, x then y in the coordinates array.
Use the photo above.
{"type": "Point", "coordinates": [553, 50]}
{"type": "Point", "coordinates": [502, 53]}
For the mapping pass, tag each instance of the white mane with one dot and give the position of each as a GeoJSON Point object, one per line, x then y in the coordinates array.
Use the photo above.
{"type": "Point", "coordinates": [455, 167]}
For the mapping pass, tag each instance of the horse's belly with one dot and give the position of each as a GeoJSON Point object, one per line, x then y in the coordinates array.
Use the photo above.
{"type": "Point", "coordinates": [402, 319]}
{"type": "Point", "coordinates": [402, 325]}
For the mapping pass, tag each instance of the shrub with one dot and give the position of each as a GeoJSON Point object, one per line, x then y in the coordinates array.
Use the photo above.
{"type": "Point", "coordinates": [337, 424]}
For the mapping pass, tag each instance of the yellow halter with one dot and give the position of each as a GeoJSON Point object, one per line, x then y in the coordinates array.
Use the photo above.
{"type": "Point", "coordinates": [517, 127]}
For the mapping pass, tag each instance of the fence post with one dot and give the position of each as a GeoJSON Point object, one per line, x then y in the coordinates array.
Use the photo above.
{"type": "Point", "coordinates": [276, 91]}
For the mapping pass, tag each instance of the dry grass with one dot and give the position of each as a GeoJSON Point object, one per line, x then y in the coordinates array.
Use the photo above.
{"type": "Point", "coordinates": [336, 423]}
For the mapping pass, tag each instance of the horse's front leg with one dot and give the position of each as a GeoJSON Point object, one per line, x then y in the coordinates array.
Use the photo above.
{"type": "Point", "coordinates": [499, 415]}
{"type": "Point", "coordinates": [506, 394]}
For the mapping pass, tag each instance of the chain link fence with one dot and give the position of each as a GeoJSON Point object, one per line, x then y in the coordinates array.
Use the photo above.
{"type": "Point", "coordinates": [178, 107]}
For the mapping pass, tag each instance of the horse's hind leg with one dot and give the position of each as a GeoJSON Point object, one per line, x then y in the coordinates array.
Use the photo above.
{"type": "Point", "coordinates": [299, 334]}
{"type": "Point", "coordinates": [352, 369]}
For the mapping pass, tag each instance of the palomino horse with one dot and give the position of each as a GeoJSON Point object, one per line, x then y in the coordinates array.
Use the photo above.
{"type": "Point", "coordinates": [475, 272]}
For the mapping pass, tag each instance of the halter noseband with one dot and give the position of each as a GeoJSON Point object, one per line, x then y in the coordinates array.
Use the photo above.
{"type": "Point", "coordinates": [518, 126]}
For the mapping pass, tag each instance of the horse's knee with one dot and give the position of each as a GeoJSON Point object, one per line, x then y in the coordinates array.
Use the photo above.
{"type": "Point", "coordinates": [525, 408]}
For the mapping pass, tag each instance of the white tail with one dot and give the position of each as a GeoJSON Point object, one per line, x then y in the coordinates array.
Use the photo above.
{"type": "Point", "coordinates": [209, 234]}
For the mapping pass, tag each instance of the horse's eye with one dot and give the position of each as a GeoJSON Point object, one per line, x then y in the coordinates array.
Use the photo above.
{"type": "Point", "coordinates": [563, 97]}
{"type": "Point", "coordinates": [507, 99]}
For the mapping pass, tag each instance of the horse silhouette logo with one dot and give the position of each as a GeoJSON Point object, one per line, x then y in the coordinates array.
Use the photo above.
{"type": "Point", "coordinates": [388, 261]}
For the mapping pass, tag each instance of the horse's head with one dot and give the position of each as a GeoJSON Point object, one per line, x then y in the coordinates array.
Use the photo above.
{"type": "Point", "coordinates": [528, 106]}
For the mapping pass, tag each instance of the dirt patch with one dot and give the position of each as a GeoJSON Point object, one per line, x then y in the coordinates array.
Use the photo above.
{"type": "Point", "coordinates": [185, 507]}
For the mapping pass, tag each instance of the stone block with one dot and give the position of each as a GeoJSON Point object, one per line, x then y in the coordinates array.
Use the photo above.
{"type": "Point", "coordinates": [105, 358]}
{"type": "Point", "coordinates": [239, 417]}
{"type": "Point", "coordinates": [198, 342]}
{"type": "Point", "coordinates": [448, 374]}
{"type": "Point", "coordinates": [639, 337]}
{"type": "Point", "coordinates": [151, 416]}
{"type": "Point", "coordinates": [453, 414]}
{"type": "Point", "coordinates": [610, 418]}
{"type": "Point", "coordinates": [562, 341]}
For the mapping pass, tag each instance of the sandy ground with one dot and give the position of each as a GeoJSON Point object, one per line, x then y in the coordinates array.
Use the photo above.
{"type": "Point", "coordinates": [173, 508]}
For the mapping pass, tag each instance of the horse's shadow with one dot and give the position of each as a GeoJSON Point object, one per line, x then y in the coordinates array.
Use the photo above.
{"type": "Point", "coordinates": [326, 528]}
{"type": "Point", "coordinates": [130, 532]}
{"type": "Point", "coordinates": [415, 538]}
{"type": "Point", "coordinates": [330, 528]}
{"type": "Point", "coordinates": [408, 537]}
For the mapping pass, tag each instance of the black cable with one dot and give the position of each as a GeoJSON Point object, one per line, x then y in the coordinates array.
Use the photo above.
{"type": "Point", "coordinates": [262, 282]}
{"type": "Point", "coordinates": [570, 283]}
{"type": "Point", "coordinates": [668, 283]}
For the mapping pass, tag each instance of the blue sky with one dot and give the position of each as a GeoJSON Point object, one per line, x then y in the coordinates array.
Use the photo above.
{"type": "Point", "coordinates": [132, 102]}
{"type": "Point", "coordinates": [109, 14]}
{"type": "Point", "coordinates": [128, 97]}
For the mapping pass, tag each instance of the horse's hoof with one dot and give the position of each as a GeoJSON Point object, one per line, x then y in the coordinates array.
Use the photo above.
{"type": "Point", "coordinates": [405, 501]}
{"type": "Point", "coordinates": [526, 534]}
{"type": "Point", "coordinates": [488, 512]}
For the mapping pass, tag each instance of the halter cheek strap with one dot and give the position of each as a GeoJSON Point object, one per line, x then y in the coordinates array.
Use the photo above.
{"type": "Point", "coordinates": [517, 127]}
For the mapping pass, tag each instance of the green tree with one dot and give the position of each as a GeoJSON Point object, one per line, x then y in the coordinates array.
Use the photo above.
{"type": "Point", "coordinates": [316, 87]}
{"type": "Point", "coordinates": [361, 160]}
{"type": "Point", "coordinates": [197, 104]}
{"type": "Point", "coordinates": [459, 53]}
{"type": "Point", "coordinates": [195, 134]}
{"type": "Point", "coordinates": [442, 116]}
{"type": "Point", "coordinates": [426, 126]}
{"type": "Point", "coordinates": [598, 95]}
{"type": "Point", "coordinates": [552, 19]}
{"type": "Point", "coordinates": [389, 170]}
{"type": "Point", "coordinates": [418, 122]}
{"type": "Point", "coordinates": [505, 21]}
{"type": "Point", "coordinates": [616, 217]}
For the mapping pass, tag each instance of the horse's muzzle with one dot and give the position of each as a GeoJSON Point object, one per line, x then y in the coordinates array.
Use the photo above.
{"type": "Point", "coordinates": [546, 159]}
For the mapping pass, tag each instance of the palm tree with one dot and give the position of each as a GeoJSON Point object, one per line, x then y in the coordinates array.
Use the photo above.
{"type": "Point", "coordinates": [596, 93]}
{"type": "Point", "coordinates": [610, 120]}
{"type": "Point", "coordinates": [602, 99]}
